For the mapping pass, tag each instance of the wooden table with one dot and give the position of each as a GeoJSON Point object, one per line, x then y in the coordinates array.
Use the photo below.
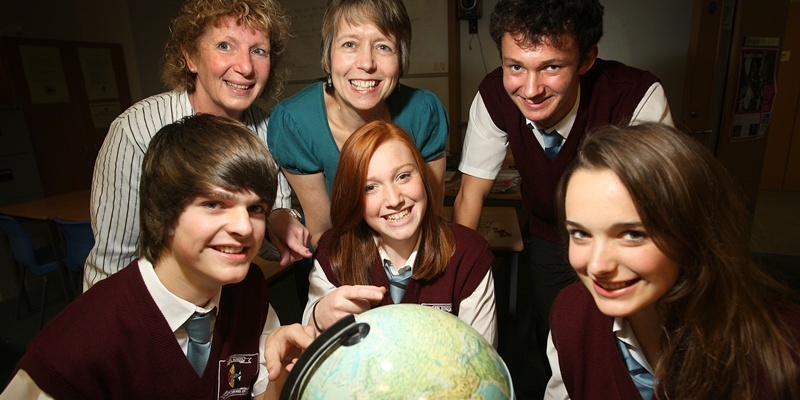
{"type": "Point", "coordinates": [512, 194]}
{"type": "Point", "coordinates": [452, 187]}
{"type": "Point", "coordinates": [72, 206]}
{"type": "Point", "coordinates": [499, 226]}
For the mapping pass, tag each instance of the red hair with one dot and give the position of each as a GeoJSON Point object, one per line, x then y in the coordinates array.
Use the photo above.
{"type": "Point", "coordinates": [351, 237]}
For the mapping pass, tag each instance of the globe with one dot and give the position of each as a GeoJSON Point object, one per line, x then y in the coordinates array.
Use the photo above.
{"type": "Point", "coordinates": [401, 351]}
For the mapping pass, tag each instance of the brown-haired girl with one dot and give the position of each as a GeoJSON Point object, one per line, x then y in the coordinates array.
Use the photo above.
{"type": "Point", "coordinates": [671, 304]}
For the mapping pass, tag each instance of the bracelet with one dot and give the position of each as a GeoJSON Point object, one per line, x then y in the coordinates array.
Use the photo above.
{"type": "Point", "coordinates": [314, 317]}
{"type": "Point", "coordinates": [292, 212]}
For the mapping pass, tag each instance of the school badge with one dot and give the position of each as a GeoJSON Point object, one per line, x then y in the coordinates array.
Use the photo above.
{"type": "Point", "coordinates": [234, 375]}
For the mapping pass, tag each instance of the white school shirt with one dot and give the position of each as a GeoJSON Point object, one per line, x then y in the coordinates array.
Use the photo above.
{"type": "Point", "coordinates": [485, 144]}
{"type": "Point", "coordinates": [622, 331]}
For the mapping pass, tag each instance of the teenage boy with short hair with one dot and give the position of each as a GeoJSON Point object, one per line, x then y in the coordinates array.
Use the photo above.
{"type": "Point", "coordinates": [207, 184]}
{"type": "Point", "coordinates": [550, 91]}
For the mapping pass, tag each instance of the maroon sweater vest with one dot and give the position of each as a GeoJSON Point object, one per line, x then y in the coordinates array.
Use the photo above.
{"type": "Point", "coordinates": [113, 342]}
{"type": "Point", "coordinates": [610, 92]}
{"type": "Point", "coordinates": [466, 269]}
{"type": "Point", "coordinates": [590, 361]}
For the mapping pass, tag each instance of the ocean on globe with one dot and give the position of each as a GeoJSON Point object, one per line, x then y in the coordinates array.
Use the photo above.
{"type": "Point", "coordinates": [401, 351]}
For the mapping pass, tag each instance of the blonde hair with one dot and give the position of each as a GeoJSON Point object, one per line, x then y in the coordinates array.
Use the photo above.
{"type": "Point", "coordinates": [195, 16]}
{"type": "Point", "coordinates": [389, 16]}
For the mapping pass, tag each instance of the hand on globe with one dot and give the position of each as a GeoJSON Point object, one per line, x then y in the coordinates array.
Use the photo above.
{"type": "Point", "coordinates": [399, 352]}
{"type": "Point", "coordinates": [284, 345]}
{"type": "Point", "coordinates": [346, 300]}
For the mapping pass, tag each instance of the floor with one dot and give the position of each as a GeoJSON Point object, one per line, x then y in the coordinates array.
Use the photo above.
{"type": "Point", "coordinates": [775, 227]}
{"type": "Point", "coordinates": [775, 243]}
{"type": "Point", "coordinates": [775, 238]}
{"type": "Point", "coordinates": [15, 333]}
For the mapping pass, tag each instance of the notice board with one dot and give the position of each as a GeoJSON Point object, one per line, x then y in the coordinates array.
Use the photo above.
{"type": "Point", "coordinates": [69, 92]}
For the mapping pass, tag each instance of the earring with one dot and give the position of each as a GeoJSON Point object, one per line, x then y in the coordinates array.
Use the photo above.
{"type": "Point", "coordinates": [329, 83]}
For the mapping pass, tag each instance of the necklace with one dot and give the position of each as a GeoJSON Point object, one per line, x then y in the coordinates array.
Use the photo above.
{"type": "Point", "coordinates": [344, 117]}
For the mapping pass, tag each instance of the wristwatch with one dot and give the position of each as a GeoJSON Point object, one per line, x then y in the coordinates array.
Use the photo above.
{"type": "Point", "coordinates": [291, 211]}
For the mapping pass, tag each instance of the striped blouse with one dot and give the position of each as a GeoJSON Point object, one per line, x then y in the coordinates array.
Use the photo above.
{"type": "Point", "coordinates": [117, 170]}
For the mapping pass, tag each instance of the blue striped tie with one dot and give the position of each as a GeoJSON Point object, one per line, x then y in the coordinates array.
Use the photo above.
{"type": "Point", "coordinates": [199, 328]}
{"type": "Point", "coordinates": [397, 283]}
{"type": "Point", "coordinates": [642, 378]}
{"type": "Point", "coordinates": [552, 143]}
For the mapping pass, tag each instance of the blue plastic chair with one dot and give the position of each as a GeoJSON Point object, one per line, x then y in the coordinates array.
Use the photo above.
{"type": "Point", "coordinates": [40, 261]}
{"type": "Point", "coordinates": [78, 241]}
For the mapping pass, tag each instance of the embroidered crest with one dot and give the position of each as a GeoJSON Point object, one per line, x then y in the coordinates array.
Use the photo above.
{"type": "Point", "coordinates": [446, 307]}
{"type": "Point", "coordinates": [234, 375]}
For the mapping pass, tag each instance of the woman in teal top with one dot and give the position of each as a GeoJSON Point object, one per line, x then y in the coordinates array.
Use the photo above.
{"type": "Point", "coordinates": [366, 48]}
{"type": "Point", "coordinates": [307, 146]}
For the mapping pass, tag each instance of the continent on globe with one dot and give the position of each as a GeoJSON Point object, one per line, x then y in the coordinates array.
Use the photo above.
{"type": "Point", "coordinates": [401, 351]}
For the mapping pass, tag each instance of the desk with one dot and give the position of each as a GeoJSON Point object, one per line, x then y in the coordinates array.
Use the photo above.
{"type": "Point", "coordinates": [508, 177]}
{"type": "Point", "coordinates": [452, 187]}
{"type": "Point", "coordinates": [72, 206]}
{"type": "Point", "coordinates": [499, 226]}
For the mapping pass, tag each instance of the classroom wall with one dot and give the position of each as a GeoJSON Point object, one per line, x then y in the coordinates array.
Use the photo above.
{"type": "Point", "coordinates": [105, 21]}
{"type": "Point", "coordinates": [649, 34]}
{"type": "Point", "coordinates": [150, 31]}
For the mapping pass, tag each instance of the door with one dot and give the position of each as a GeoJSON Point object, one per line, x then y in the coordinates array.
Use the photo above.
{"type": "Point", "coordinates": [720, 30]}
{"type": "Point", "coordinates": [782, 161]}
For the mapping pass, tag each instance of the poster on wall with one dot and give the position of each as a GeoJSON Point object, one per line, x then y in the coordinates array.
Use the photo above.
{"type": "Point", "coordinates": [98, 73]}
{"type": "Point", "coordinates": [45, 74]}
{"type": "Point", "coordinates": [755, 93]}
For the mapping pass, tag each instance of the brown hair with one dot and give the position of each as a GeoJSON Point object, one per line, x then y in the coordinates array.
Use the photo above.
{"type": "Point", "coordinates": [389, 16]}
{"type": "Point", "coordinates": [195, 16]}
{"type": "Point", "coordinates": [551, 21]}
{"type": "Point", "coordinates": [351, 237]}
{"type": "Point", "coordinates": [191, 157]}
{"type": "Point", "coordinates": [725, 337]}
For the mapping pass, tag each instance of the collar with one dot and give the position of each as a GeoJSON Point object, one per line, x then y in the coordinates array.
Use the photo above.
{"type": "Point", "coordinates": [409, 262]}
{"type": "Point", "coordinates": [564, 126]}
{"type": "Point", "coordinates": [624, 333]}
{"type": "Point", "coordinates": [175, 309]}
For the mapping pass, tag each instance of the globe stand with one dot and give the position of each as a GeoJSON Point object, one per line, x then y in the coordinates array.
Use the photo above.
{"type": "Point", "coordinates": [399, 351]}
{"type": "Point", "coordinates": [345, 332]}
